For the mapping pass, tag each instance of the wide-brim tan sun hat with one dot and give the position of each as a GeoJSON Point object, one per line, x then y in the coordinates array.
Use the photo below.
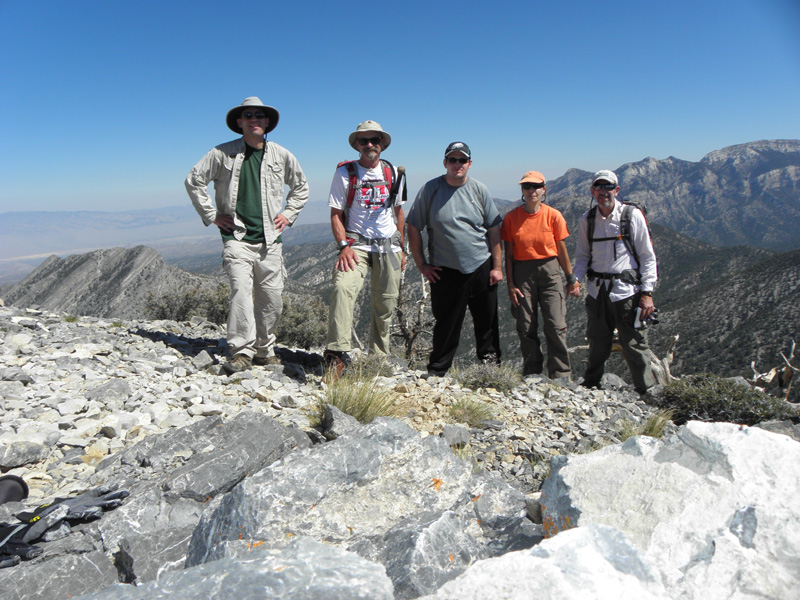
{"type": "Point", "coordinates": [370, 126]}
{"type": "Point", "coordinates": [251, 102]}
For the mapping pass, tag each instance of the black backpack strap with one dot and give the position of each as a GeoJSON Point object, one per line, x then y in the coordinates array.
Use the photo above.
{"type": "Point", "coordinates": [401, 177]}
{"type": "Point", "coordinates": [625, 231]}
{"type": "Point", "coordinates": [590, 217]}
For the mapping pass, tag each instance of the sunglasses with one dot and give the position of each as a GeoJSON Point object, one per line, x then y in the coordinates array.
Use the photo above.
{"type": "Point", "coordinates": [453, 160]}
{"type": "Point", "coordinates": [605, 186]}
{"type": "Point", "coordinates": [249, 115]}
{"type": "Point", "coordinates": [372, 140]}
{"type": "Point", "coordinates": [532, 186]}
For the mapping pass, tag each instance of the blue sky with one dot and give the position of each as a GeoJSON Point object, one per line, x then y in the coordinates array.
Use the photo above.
{"type": "Point", "coordinates": [107, 105]}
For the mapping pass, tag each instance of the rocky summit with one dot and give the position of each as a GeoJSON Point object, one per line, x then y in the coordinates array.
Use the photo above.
{"type": "Point", "coordinates": [234, 494]}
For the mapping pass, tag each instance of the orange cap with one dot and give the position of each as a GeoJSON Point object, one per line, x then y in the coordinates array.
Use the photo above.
{"type": "Point", "coordinates": [532, 177]}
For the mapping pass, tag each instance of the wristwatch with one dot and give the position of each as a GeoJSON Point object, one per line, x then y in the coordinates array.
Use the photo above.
{"type": "Point", "coordinates": [643, 293]}
{"type": "Point", "coordinates": [342, 245]}
{"type": "Point", "coordinates": [571, 278]}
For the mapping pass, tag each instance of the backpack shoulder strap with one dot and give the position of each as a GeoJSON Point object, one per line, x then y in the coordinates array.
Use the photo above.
{"type": "Point", "coordinates": [394, 182]}
{"type": "Point", "coordinates": [388, 172]}
{"type": "Point", "coordinates": [590, 217]}
{"type": "Point", "coordinates": [352, 176]}
{"type": "Point", "coordinates": [625, 231]}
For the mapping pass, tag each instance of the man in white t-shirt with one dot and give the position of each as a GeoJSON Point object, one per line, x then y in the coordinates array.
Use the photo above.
{"type": "Point", "coordinates": [367, 220]}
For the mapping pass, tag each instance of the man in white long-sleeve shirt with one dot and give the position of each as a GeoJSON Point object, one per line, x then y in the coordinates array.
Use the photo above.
{"type": "Point", "coordinates": [616, 263]}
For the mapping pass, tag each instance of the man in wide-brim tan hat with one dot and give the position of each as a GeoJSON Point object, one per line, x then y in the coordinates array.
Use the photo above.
{"type": "Point", "coordinates": [249, 175]}
{"type": "Point", "coordinates": [367, 219]}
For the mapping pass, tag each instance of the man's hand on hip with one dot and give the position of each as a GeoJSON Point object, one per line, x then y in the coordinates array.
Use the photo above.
{"type": "Point", "coordinates": [281, 222]}
{"type": "Point", "coordinates": [347, 261]}
{"type": "Point", "coordinates": [224, 222]}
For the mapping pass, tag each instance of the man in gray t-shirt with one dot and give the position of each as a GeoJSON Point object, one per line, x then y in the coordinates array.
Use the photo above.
{"type": "Point", "coordinates": [464, 257]}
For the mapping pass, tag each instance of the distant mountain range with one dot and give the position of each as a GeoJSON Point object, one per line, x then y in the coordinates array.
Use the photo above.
{"type": "Point", "coordinates": [730, 304]}
{"type": "Point", "coordinates": [741, 195]}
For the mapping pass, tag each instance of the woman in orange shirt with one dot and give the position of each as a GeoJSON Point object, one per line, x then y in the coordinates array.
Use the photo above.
{"type": "Point", "coordinates": [533, 240]}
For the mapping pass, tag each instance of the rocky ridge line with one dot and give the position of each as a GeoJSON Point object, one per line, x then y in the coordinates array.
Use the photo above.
{"type": "Point", "coordinates": [74, 392]}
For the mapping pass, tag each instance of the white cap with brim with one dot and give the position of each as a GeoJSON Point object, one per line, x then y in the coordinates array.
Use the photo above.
{"type": "Point", "coordinates": [605, 175]}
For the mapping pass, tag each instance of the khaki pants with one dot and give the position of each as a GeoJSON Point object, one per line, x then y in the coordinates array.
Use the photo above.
{"type": "Point", "coordinates": [384, 290]}
{"type": "Point", "coordinates": [256, 275]}
{"type": "Point", "coordinates": [542, 287]}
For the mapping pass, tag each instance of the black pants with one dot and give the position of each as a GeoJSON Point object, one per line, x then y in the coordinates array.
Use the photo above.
{"type": "Point", "coordinates": [451, 295]}
{"type": "Point", "coordinates": [603, 317]}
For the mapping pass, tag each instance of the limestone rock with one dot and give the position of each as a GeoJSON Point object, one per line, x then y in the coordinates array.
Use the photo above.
{"type": "Point", "coordinates": [714, 508]}
{"type": "Point", "coordinates": [304, 570]}
{"type": "Point", "coordinates": [361, 489]}
{"type": "Point", "coordinates": [587, 563]}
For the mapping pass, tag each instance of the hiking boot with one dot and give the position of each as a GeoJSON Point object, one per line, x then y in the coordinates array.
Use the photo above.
{"type": "Point", "coordinates": [434, 373]}
{"type": "Point", "coordinates": [335, 362]}
{"type": "Point", "coordinates": [490, 359]}
{"type": "Point", "coordinates": [264, 361]}
{"type": "Point", "coordinates": [239, 363]}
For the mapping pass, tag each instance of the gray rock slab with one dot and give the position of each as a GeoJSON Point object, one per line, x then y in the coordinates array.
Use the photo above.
{"type": "Point", "coordinates": [157, 519]}
{"type": "Point", "coordinates": [714, 508]}
{"type": "Point", "coordinates": [336, 423]}
{"type": "Point", "coordinates": [17, 454]}
{"type": "Point", "coordinates": [304, 570]}
{"type": "Point", "coordinates": [251, 441]}
{"type": "Point", "coordinates": [359, 491]}
{"type": "Point", "coordinates": [426, 551]}
{"type": "Point", "coordinates": [64, 576]}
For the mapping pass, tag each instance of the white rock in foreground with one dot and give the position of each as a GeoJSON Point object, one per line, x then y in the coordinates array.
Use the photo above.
{"type": "Point", "coordinates": [586, 563]}
{"type": "Point", "coordinates": [714, 508]}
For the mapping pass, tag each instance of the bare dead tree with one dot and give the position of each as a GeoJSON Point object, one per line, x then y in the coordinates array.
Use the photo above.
{"type": "Point", "coordinates": [412, 318]}
{"type": "Point", "coordinates": [778, 378]}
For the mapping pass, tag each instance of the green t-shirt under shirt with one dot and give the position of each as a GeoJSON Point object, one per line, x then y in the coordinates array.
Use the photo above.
{"type": "Point", "coordinates": [248, 200]}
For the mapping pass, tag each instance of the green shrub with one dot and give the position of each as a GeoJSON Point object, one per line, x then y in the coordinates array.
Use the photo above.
{"type": "Point", "coordinates": [357, 395]}
{"type": "Point", "coordinates": [654, 426]}
{"type": "Point", "coordinates": [372, 365]}
{"type": "Point", "coordinates": [471, 411]}
{"type": "Point", "coordinates": [707, 397]}
{"type": "Point", "coordinates": [503, 378]}
{"type": "Point", "coordinates": [217, 303]}
{"type": "Point", "coordinates": [303, 323]}
{"type": "Point", "coordinates": [70, 318]}
{"type": "Point", "coordinates": [181, 305]}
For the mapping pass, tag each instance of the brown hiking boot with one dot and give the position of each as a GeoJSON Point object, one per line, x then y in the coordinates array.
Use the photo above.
{"type": "Point", "coordinates": [335, 362]}
{"type": "Point", "coordinates": [239, 363]}
{"type": "Point", "coordinates": [263, 361]}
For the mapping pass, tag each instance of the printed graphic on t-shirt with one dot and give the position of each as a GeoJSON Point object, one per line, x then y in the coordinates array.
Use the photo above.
{"type": "Point", "coordinates": [372, 196]}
